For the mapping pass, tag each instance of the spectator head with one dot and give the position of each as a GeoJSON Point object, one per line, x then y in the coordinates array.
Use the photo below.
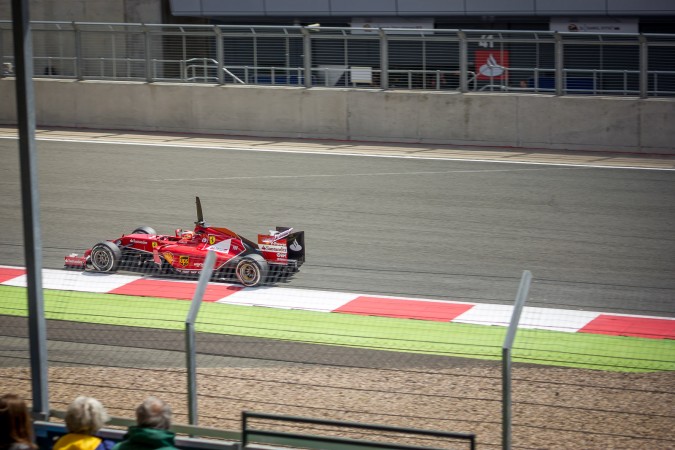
{"type": "Point", "coordinates": [153, 413]}
{"type": "Point", "coordinates": [85, 415]}
{"type": "Point", "coordinates": [15, 421]}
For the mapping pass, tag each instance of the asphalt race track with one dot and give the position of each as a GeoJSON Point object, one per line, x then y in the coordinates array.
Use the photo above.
{"type": "Point", "coordinates": [594, 238]}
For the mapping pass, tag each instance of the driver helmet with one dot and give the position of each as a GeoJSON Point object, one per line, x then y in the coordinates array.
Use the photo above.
{"type": "Point", "coordinates": [187, 235]}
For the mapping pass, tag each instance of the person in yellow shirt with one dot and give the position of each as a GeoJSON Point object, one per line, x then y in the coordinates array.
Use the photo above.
{"type": "Point", "coordinates": [84, 417]}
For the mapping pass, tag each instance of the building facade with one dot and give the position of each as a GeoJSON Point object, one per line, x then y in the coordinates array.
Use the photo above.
{"type": "Point", "coordinates": [629, 16]}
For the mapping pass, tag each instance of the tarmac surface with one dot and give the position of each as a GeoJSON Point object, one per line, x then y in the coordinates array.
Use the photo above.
{"type": "Point", "coordinates": [431, 222]}
{"type": "Point", "coordinates": [437, 222]}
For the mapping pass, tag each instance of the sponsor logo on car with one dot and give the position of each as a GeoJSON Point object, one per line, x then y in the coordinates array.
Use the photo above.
{"type": "Point", "coordinates": [169, 257]}
{"type": "Point", "coordinates": [154, 244]}
{"type": "Point", "coordinates": [76, 260]}
{"type": "Point", "coordinates": [212, 239]}
{"type": "Point", "coordinates": [184, 260]}
{"type": "Point", "coordinates": [221, 247]}
{"type": "Point", "coordinates": [273, 248]}
{"type": "Point", "coordinates": [135, 241]}
{"type": "Point", "coordinates": [295, 246]}
{"type": "Point", "coordinates": [281, 235]}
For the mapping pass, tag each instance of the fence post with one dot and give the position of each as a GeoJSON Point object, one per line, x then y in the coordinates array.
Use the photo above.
{"type": "Point", "coordinates": [190, 350]}
{"type": "Point", "coordinates": [384, 60]}
{"type": "Point", "coordinates": [463, 62]}
{"type": "Point", "coordinates": [78, 52]}
{"type": "Point", "coordinates": [2, 55]}
{"type": "Point", "coordinates": [559, 64]}
{"type": "Point", "coordinates": [148, 68]}
{"type": "Point", "coordinates": [220, 54]}
{"type": "Point", "coordinates": [644, 66]}
{"type": "Point", "coordinates": [521, 297]}
{"type": "Point", "coordinates": [30, 202]}
{"type": "Point", "coordinates": [307, 56]}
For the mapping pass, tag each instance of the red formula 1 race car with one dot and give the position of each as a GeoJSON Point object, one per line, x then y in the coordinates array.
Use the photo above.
{"type": "Point", "coordinates": [275, 257]}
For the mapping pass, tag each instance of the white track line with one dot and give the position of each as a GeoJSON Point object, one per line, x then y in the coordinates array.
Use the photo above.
{"type": "Point", "coordinates": [343, 153]}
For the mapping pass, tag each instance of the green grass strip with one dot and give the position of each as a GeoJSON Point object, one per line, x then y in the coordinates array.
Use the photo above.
{"type": "Point", "coordinates": [580, 350]}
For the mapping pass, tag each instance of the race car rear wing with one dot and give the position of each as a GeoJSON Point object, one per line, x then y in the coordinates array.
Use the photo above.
{"type": "Point", "coordinates": [295, 243]}
{"type": "Point", "coordinates": [282, 246]}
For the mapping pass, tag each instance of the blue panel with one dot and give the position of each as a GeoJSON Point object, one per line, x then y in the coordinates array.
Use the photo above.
{"type": "Point", "coordinates": [497, 7]}
{"type": "Point", "coordinates": [375, 7]}
{"type": "Point", "coordinates": [454, 7]}
{"type": "Point", "coordinates": [233, 7]}
{"type": "Point", "coordinates": [183, 7]}
{"type": "Point", "coordinates": [297, 7]}
{"type": "Point", "coordinates": [640, 6]}
{"type": "Point", "coordinates": [571, 7]}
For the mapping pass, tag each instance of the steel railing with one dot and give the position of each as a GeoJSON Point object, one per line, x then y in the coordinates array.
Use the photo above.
{"type": "Point", "coordinates": [458, 60]}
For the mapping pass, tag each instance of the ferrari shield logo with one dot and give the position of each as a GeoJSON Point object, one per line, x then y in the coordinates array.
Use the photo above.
{"type": "Point", "coordinates": [212, 239]}
{"type": "Point", "coordinates": [154, 244]}
{"type": "Point", "coordinates": [184, 260]}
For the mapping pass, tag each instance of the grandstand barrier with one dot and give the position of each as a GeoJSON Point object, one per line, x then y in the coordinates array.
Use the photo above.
{"type": "Point", "coordinates": [253, 437]}
{"type": "Point", "coordinates": [46, 433]}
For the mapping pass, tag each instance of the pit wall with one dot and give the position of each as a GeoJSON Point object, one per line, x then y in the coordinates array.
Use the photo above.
{"type": "Point", "coordinates": [616, 124]}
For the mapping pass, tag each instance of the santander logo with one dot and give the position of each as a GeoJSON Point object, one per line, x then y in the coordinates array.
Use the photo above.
{"type": "Point", "coordinates": [491, 68]}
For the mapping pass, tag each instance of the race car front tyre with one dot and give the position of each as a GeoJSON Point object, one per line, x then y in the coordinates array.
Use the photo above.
{"type": "Point", "coordinates": [144, 230]}
{"type": "Point", "coordinates": [105, 256]}
{"type": "Point", "coordinates": [252, 270]}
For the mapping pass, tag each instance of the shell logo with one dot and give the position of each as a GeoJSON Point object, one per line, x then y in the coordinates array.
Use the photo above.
{"type": "Point", "coordinates": [169, 257]}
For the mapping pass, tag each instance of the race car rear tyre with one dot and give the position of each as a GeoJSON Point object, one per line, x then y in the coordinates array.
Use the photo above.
{"type": "Point", "coordinates": [144, 230]}
{"type": "Point", "coordinates": [252, 270]}
{"type": "Point", "coordinates": [105, 256]}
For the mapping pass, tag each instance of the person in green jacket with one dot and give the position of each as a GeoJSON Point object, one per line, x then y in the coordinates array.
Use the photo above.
{"type": "Point", "coordinates": [153, 418]}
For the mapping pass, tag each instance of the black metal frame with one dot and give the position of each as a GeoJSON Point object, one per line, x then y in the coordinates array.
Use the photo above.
{"type": "Point", "coordinates": [247, 433]}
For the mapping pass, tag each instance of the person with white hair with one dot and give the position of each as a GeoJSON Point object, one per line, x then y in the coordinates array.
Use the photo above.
{"type": "Point", "coordinates": [84, 417]}
{"type": "Point", "coordinates": [153, 418]}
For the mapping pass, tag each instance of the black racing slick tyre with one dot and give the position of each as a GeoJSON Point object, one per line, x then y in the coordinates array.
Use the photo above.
{"type": "Point", "coordinates": [105, 256]}
{"type": "Point", "coordinates": [144, 230]}
{"type": "Point", "coordinates": [252, 270]}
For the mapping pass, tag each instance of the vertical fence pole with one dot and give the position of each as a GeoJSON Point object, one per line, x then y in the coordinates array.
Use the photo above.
{"type": "Point", "coordinates": [78, 52]}
{"type": "Point", "coordinates": [559, 65]}
{"type": "Point", "coordinates": [521, 297]}
{"type": "Point", "coordinates": [30, 201]}
{"type": "Point", "coordinates": [190, 348]}
{"type": "Point", "coordinates": [644, 66]}
{"type": "Point", "coordinates": [2, 55]}
{"type": "Point", "coordinates": [384, 60]}
{"type": "Point", "coordinates": [148, 56]}
{"type": "Point", "coordinates": [463, 62]}
{"type": "Point", "coordinates": [307, 56]}
{"type": "Point", "coordinates": [220, 54]}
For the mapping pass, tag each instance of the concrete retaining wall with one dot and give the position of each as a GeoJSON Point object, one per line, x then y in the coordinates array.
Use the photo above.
{"type": "Point", "coordinates": [530, 121]}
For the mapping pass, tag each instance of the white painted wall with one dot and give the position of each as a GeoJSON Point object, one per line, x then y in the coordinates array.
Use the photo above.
{"type": "Point", "coordinates": [617, 124]}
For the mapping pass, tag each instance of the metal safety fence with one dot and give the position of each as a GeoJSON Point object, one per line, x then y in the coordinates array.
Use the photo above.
{"type": "Point", "coordinates": [386, 58]}
{"type": "Point", "coordinates": [121, 337]}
